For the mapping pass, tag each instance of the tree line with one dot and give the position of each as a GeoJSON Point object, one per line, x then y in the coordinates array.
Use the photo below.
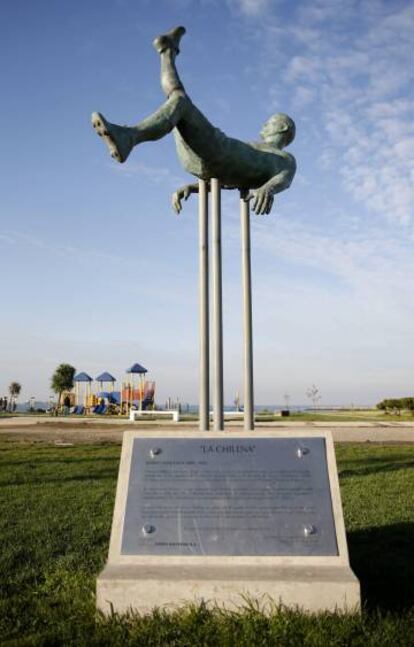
{"type": "Point", "coordinates": [396, 405]}
{"type": "Point", "coordinates": [14, 390]}
{"type": "Point", "coordinates": [62, 380]}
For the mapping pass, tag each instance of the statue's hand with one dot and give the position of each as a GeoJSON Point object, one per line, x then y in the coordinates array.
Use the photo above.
{"type": "Point", "coordinates": [181, 194]}
{"type": "Point", "coordinates": [262, 200]}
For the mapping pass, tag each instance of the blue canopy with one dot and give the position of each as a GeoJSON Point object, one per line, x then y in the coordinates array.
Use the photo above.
{"type": "Point", "coordinates": [137, 368]}
{"type": "Point", "coordinates": [105, 377]}
{"type": "Point", "coordinates": [82, 377]}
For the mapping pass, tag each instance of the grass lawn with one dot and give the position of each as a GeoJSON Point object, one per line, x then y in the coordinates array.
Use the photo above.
{"type": "Point", "coordinates": [340, 415]}
{"type": "Point", "coordinates": [345, 415]}
{"type": "Point", "coordinates": [56, 508]}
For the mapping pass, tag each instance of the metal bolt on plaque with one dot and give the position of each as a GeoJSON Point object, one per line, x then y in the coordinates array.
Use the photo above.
{"type": "Point", "coordinates": [147, 529]}
{"type": "Point", "coordinates": [309, 530]}
{"type": "Point", "coordinates": [155, 451]}
{"type": "Point", "coordinates": [302, 451]}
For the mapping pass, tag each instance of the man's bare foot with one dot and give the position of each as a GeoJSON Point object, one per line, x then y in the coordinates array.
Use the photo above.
{"type": "Point", "coordinates": [118, 138]}
{"type": "Point", "coordinates": [170, 40]}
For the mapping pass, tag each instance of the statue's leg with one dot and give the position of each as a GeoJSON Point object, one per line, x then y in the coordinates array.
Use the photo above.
{"type": "Point", "coordinates": [167, 45]}
{"type": "Point", "coordinates": [117, 138]}
{"type": "Point", "coordinates": [122, 139]}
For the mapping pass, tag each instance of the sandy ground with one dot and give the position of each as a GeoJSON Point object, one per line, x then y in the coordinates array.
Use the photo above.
{"type": "Point", "coordinates": [64, 431]}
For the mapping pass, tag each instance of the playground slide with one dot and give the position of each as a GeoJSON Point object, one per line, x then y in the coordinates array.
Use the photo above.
{"type": "Point", "coordinates": [100, 409]}
{"type": "Point", "coordinates": [149, 391]}
{"type": "Point", "coordinates": [148, 402]}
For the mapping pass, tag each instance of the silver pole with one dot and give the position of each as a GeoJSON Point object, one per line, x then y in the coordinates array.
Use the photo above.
{"type": "Point", "coordinates": [204, 381]}
{"type": "Point", "coordinates": [247, 315]}
{"type": "Point", "coordinates": [217, 306]}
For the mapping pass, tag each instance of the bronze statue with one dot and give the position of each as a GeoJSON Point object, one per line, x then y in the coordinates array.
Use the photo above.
{"type": "Point", "coordinates": [259, 169]}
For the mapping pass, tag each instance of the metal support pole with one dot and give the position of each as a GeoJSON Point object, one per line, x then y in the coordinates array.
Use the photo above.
{"type": "Point", "coordinates": [247, 315]}
{"type": "Point", "coordinates": [217, 306]}
{"type": "Point", "coordinates": [204, 378]}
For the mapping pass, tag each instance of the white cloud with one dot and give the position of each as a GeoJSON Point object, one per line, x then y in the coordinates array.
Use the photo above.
{"type": "Point", "coordinates": [368, 263]}
{"type": "Point", "coordinates": [154, 174]}
{"type": "Point", "coordinates": [6, 238]}
{"type": "Point", "coordinates": [390, 109]}
{"type": "Point", "coordinates": [251, 7]}
{"type": "Point", "coordinates": [84, 256]}
{"type": "Point", "coordinates": [302, 68]}
{"type": "Point", "coordinates": [359, 83]}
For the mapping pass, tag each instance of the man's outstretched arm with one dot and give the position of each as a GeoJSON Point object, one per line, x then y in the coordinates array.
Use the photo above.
{"type": "Point", "coordinates": [263, 197]}
{"type": "Point", "coordinates": [183, 193]}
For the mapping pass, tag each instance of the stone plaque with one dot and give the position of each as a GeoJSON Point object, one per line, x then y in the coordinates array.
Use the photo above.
{"type": "Point", "coordinates": [235, 496]}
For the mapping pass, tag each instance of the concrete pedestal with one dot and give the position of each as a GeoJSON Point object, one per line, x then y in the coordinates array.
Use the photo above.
{"type": "Point", "coordinates": [143, 582]}
{"type": "Point", "coordinates": [312, 589]}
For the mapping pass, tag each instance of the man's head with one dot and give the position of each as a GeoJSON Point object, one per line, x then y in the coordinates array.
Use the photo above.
{"type": "Point", "coordinates": [280, 129]}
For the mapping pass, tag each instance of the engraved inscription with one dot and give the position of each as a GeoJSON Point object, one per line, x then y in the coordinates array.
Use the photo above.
{"type": "Point", "coordinates": [229, 497]}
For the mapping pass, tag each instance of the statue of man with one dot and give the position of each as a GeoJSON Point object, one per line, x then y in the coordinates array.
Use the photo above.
{"type": "Point", "coordinates": [259, 169]}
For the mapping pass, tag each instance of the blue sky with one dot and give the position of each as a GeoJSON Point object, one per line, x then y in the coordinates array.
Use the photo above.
{"type": "Point", "coordinates": [96, 268]}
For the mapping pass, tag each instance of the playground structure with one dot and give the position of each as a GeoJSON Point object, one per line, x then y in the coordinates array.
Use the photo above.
{"type": "Point", "coordinates": [137, 392]}
{"type": "Point", "coordinates": [83, 390]}
{"type": "Point", "coordinates": [102, 398]}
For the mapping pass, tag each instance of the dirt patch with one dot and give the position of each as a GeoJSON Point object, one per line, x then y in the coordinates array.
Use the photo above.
{"type": "Point", "coordinates": [59, 432]}
{"type": "Point", "coordinates": [63, 432]}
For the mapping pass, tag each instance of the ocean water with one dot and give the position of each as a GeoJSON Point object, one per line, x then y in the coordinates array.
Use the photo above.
{"type": "Point", "coordinates": [193, 408]}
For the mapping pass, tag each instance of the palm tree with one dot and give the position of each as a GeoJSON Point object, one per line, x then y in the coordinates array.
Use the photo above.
{"type": "Point", "coordinates": [14, 390]}
{"type": "Point", "coordinates": [62, 380]}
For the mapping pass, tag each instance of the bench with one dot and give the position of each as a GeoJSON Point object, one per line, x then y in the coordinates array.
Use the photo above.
{"type": "Point", "coordinates": [136, 413]}
{"type": "Point", "coordinates": [229, 414]}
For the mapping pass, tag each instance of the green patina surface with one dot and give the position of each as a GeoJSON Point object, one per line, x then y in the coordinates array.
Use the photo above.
{"type": "Point", "coordinates": [259, 169]}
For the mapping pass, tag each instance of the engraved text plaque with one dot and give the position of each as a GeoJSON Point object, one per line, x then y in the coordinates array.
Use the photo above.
{"type": "Point", "coordinates": [235, 496]}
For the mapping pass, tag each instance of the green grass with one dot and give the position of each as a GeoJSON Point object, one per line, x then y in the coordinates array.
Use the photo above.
{"type": "Point", "coordinates": [346, 415]}
{"type": "Point", "coordinates": [341, 415]}
{"type": "Point", "coordinates": [56, 508]}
